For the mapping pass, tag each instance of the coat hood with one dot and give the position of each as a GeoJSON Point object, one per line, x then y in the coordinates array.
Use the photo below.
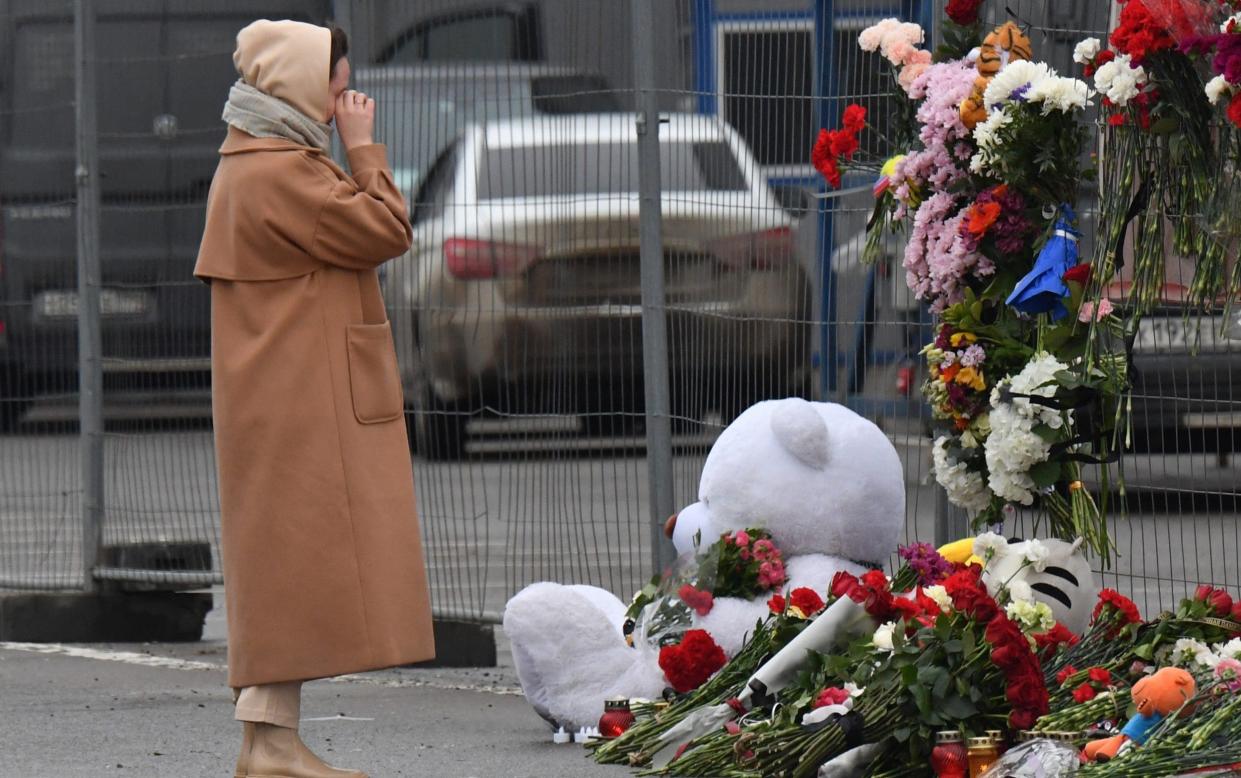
{"type": "Point", "coordinates": [287, 60]}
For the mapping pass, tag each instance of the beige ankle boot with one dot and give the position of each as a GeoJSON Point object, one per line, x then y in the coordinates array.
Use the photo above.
{"type": "Point", "coordinates": [268, 751]}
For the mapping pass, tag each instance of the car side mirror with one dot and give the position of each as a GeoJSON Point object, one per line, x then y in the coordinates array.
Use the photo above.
{"type": "Point", "coordinates": [793, 198]}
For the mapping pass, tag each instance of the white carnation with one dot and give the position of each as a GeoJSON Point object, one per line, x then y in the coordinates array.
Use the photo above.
{"type": "Point", "coordinates": [965, 488]}
{"type": "Point", "coordinates": [1033, 617]}
{"type": "Point", "coordinates": [1217, 88]}
{"type": "Point", "coordinates": [1037, 554]}
{"type": "Point", "coordinates": [990, 545]}
{"type": "Point", "coordinates": [1060, 94]}
{"type": "Point", "coordinates": [1120, 79]}
{"type": "Point", "coordinates": [1086, 51]}
{"type": "Point", "coordinates": [1015, 76]}
{"type": "Point", "coordinates": [1229, 650]}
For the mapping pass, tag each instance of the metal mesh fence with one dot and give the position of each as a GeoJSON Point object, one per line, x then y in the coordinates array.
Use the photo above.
{"type": "Point", "coordinates": [518, 314]}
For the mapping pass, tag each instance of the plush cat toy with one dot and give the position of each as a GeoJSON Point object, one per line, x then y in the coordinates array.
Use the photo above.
{"type": "Point", "coordinates": [1155, 697]}
{"type": "Point", "coordinates": [1003, 45]}
{"type": "Point", "coordinates": [1066, 583]}
{"type": "Point", "coordinates": [824, 482]}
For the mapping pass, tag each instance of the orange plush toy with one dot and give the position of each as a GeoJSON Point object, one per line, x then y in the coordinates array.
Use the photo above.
{"type": "Point", "coordinates": [1155, 696]}
{"type": "Point", "coordinates": [1005, 44]}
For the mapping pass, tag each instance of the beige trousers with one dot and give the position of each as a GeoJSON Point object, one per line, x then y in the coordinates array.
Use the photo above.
{"type": "Point", "coordinates": [272, 703]}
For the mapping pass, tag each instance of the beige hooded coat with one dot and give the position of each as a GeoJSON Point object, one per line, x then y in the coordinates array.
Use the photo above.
{"type": "Point", "coordinates": [323, 565]}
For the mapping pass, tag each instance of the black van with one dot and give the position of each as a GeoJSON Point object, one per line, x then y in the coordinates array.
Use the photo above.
{"type": "Point", "coordinates": [164, 69]}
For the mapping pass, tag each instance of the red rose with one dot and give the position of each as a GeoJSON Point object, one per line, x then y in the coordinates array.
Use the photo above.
{"type": "Point", "coordinates": [1021, 719]}
{"type": "Point", "coordinates": [843, 584]}
{"type": "Point", "coordinates": [1236, 611]}
{"type": "Point", "coordinates": [806, 600]}
{"type": "Point", "coordinates": [1203, 592]}
{"type": "Point", "coordinates": [831, 696]}
{"type": "Point", "coordinates": [1079, 273]}
{"type": "Point", "coordinates": [963, 12]}
{"type": "Point", "coordinates": [1100, 675]}
{"type": "Point", "coordinates": [1084, 693]}
{"type": "Point", "coordinates": [690, 663]}
{"type": "Point", "coordinates": [776, 604]}
{"type": "Point", "coordinates": [1221, 602]}
{"type": "Point", "coordinates": [1064, 674]}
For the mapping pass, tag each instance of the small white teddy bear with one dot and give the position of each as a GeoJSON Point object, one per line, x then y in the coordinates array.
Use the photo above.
{"type": "Point", "coordinates": [826, 483]}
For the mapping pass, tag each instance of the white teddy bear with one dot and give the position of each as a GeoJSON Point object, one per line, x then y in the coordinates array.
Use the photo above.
{"type": "Point", "coordinates": [826, 483]}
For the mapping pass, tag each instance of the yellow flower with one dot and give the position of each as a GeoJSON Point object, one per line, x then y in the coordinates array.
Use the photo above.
{"type": "Point", "coordinates": [971, 377]}
{"type": "Point", "coordinates": [889, 167]}
{"type": "Point", "coordinates": [962, 337]}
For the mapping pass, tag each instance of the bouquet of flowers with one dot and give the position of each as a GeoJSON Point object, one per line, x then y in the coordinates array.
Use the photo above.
{"type": "Point", "coordinates": [944, 655]}
{"type": "Point", "coordinates": [1024, 376]}
{"type": "Point", "coordinates": [1163, 145]}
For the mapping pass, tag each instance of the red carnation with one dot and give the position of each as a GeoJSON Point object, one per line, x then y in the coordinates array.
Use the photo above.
{"type": "Point", "coordinates": [1122, 604]}
{"type": "Point", "coordinates": [806, 600]}
{"type": "Point", "coordinates": [1064, 674]}
{"type": "Point", "coordinates": [970, 596]}
{"type": "Point", "coordinates": [963, 12]}
{"type": "Point", "coordinates": [854, 119]}
{"type": "Point", "coordinates": [1234, 109]}
{"type": "Point", "coordinates": [776, 604]}
{"type": "Point", "coordinates": [1100, 675]}
{"type": "Point", "coordinates": [1084, 693]}
{"type": "Point", "coordinates": [690, 663]}
{"type": "Point", "coordinates": [697, 599]}
{"type": "Point", "coordinates": [831, 696]}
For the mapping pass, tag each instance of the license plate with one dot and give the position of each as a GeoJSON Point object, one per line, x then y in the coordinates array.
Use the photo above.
{"type": "Point", "coordinates": [1178, 335]}
{"type": "Point", "coordinates": [63, 304]}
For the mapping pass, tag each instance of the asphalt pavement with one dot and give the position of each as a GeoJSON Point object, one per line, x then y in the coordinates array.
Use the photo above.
{"type": "Point", "coordinates": [163, 711]}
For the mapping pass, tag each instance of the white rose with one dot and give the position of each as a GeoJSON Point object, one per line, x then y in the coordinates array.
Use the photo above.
{"type": "Point", "coordinates": [989, 545]}
{"type": "Point", "coordinates": [1037, 554]}
{"type": "Point", "coordinates": [941, 597]}
{"type": "Point", "coordinates": [1216, 88]}
{"type": "Point", "coordinates": [883, 636]}
{"type": "Point", "coordinates": [1087, 50]}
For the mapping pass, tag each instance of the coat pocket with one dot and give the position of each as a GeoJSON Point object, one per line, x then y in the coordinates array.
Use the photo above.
{"type": "Point", "coordinates": [374, 380]}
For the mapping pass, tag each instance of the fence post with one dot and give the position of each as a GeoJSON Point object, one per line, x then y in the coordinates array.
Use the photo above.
{"type": "Point", "coordinates": [355, 18]}
{"type": "Point", "coordinates": [654, 313]}
{"type": "Point", "coordinates": [90, 345]}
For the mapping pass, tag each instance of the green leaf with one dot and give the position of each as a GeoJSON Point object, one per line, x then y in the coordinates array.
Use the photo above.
{"type": "Point", "coordinates": [953, 646]}
{"type": "Point", "coordinates": [902, 734]}
{"type": "Point", "coordinates": [1045, 474]}
{"type": "Point", "coordinates": [958, 707]}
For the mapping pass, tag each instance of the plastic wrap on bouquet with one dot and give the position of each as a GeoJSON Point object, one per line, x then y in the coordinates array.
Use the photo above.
{"type": "Point", "coordinates": [1035, 759]}
{"type": "Point", "coordinates": [1043, 289]}
{"type": "Point", "coordinates": [842, 620]}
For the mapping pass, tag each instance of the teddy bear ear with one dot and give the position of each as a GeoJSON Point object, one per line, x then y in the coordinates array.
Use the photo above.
{"type": "Point", "coordinates": [801, 431]}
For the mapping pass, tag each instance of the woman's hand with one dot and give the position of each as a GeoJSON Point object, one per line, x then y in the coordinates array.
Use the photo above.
{"type": "Point", "coordinates": [355, 119]}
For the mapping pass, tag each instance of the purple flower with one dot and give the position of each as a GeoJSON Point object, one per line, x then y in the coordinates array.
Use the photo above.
{"type": "Point", "coordinates": [924, 560]}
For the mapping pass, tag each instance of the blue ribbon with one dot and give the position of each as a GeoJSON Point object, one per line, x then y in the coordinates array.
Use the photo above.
{"type": "Point", "coordinates": [1043, 289]}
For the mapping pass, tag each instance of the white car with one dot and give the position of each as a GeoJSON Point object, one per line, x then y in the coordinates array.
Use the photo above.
{"type": "Point", "coordinates": [522, 290]}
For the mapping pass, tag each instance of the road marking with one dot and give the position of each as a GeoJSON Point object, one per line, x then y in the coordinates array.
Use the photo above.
{"type": "Point", "coordinates": [104, 655]}
{"type": "Point", "coordinates": [338, 718]}
{"type": "Point", "coordinates": [171, 663]}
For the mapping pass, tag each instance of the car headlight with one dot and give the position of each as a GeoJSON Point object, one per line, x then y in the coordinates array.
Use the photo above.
{"type": "Point", "coordinates": [1234, 327]}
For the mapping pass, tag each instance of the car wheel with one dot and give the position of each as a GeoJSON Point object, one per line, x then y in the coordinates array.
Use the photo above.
{"type": "Point", "coordinates": [14, 401]}
{"type": "Point", "coordinates": [436, 429]}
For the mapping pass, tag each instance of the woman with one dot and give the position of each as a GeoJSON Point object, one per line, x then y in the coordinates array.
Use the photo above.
{"type": "Point", "coordinates": [323, 568]}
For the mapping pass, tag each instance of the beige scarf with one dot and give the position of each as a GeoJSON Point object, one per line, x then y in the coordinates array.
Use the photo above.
{"type": "Point", "coordinates": [264, 116]}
